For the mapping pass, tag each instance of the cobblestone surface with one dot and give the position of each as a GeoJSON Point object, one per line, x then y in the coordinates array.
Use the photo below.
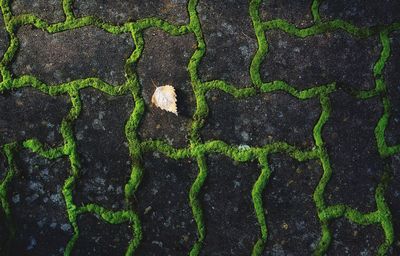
{"type": "Point", "coordinates": [286, 140]}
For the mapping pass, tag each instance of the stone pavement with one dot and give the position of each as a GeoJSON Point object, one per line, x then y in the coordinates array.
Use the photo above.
{"type": "Point", "coordinates": [287, 140]}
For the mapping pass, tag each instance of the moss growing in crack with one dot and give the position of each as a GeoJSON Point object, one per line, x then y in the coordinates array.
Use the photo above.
{"type": "Point", "coordinates": [197, 148]}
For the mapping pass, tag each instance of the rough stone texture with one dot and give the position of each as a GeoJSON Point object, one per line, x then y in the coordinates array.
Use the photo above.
{"type": "Point", "coordinates": [71, 55]}
{"type": "Point", "coordinates": [351, 239]}
{"type": "Point", "coordinates": [321, 59]}
{"type": "Point", "coordinates": [351, 145]}
{"type": "Point", "coordinates": [230, 40]}
{"type": "Point", "coordinates": [162, 198]}
{"type": "Point", "coordinates": [38, 206]}
{"type": "Point", "coordinates": [49, 10]}
{"type": "Point", "coordinates": [3, 165]}
{"type": "Point", "coordinates": [163, 206]}
{"type": "Point", "coordinates": [361, 12]}
{"type": "Point", "coordinates": [289, 207]}
{"type": "Point", "coordinates": [299, 12]}
{"type": "Point", "coordinates": [392, 78]}
{"type": "Point", "coordinates": [119, 11]}
{"type": "Point", "coordinates": [4, 232]}
{"type": "Point", "coordinates": [103, 149]}
{"type": "Point", "coordinates": [261, 120]}
{"type": "Point", "coordinates": [163, 62]}
{"type": "Point", "coordinates": [3, 41]}
{"type": "Point", "coordinates": [228, 210]}
{"type": "Point", "coordinates": [393, 199]}
{"type": "Point", "coordinates": [28, 113]}
{"type": "Point", "coordinates": [98, 238]}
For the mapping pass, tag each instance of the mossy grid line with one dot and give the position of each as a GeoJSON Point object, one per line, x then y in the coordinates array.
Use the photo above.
{"type": "Point", "coordinates": [198, 149]}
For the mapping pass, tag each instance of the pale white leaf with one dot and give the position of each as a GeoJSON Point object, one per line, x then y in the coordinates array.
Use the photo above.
{"type": "Point", "coordinates": [164, 97]}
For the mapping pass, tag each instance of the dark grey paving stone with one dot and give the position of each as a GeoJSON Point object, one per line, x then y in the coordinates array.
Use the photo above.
{"type": "Point", "coordinates": [321, 59]}
{"type": "Point", "coordinates": [261, 120]}
{"type": "Point", "coordinates": [351, 239]}
{"type": "Point", "coordinates": [3, 40]}
{"type": "Point", "coordinates": [99, 238]}
{"type": "Point", "coordinates": [361, 12]}
{"type": "Point", "coordinates": [230, 40]}
{"type": "Point", "coordinates": [231, 223]}
{"type": "Point", "coordinates": [163, 206]}
{"type": "Point", "coordinates": [350, 140]}
{"type": "Point", "coordinates": [38, 206]}
{"type": "Point", "coordinates": [392, 78]}
{"type": "Point", "coordinates": [3, 164]}
{"type": "Point", "coordinates": [73, 54]}
{"type": "Point", "coordinates": [392, 196]}
{"type": "Point", "coordinates": [164, 61]}
{"type": "Point", "coordinates": [49, 10]}
{"type": "Point", "coordinates": [4, 232]}
{"type": "Point", "coordinates": [292, 221]}
{"type": "Point", "coordinates": [119, 11]}
{"type": "Point", "coordinates": [28, 113]}
{"type": "Point", "coordinates": [103, 149]}
{"type": "Point", "coordinates": [295, 12]}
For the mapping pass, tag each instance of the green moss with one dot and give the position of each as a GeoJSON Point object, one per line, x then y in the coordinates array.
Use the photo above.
{"type": "Point", "coordinates": [197, 149]}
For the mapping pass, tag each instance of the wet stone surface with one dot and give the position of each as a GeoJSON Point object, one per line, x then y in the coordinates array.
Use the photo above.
{"type": "Point", "coordinates": [232, 227]}
{"type": "Point", "coordinates": [298, 14]}
{"type": "Point", "coordinates": [3, 41]}
{"type": "Point", "coordinates": [230, 41]}
{"type": "Point", "coordinates": [101, 238]}
{"type": "Point", "coordinates": [71, 55]}
{"type": "Point", "coordinates": [103, 149]}
{"type": "Point", "coordinates": [361, 12]}
{"type": "Point", "coordinates": [393, 199]}
{"type": "Point", "coordinates": [164, 62]}
{"type": "Point", "coordinates": [321, 59]}
{"type": "Point", "coordinates": [28, 113]}
{"type": "Point", "coordinates": [163, 206]}
{"type": "Point", "coordinates": [119, 11]}
{"type": "Point", "coordinates": [350, 140]}
{"type": "Point", "coordinates": [108, 155]}
{"type": "Point", "coordinates": [49, 10]}
{"type": "Point", "coordinates": [38, 206]}
{"type": "Point", "coordinates": [289, 207]}
{"type": "Point", "coordinates": [392, 78]}
{"type": "Point", "coordinates": [261, 120]}
{"type": "Point", "coordinates": [352, 239]}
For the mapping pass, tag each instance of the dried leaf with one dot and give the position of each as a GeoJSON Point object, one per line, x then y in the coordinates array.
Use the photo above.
{"type": "Point", "coordinates": [164, 97]}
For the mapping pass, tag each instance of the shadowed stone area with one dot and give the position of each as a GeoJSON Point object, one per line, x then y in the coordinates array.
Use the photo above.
{"type": "Point", "coordinates": [3, 164]}
{"type": "Point", "coordinates": [230, 40]}
{"type": "Point", "coordinates": [38, 206]}
{"type": "Point", "coordinates": [3, 40]}
{"type": "Point", "coordinates": [49, 10]}
{"type": "Point", "coordinates": [361, 12]}
{"type": "Point", "coordinates": [392, 78]}
{"type": "Point", "coordinates": [103, 149]}
{"type": "Point", "coordinates": [290, 211]}
{"type": "Point", "coordinates": [321, 59]}
{"type": "Point", "coordinates": [28, 113]}
{"type": "Point", "coordinates": [350, 140]}
{"type": "Point", "coordinates": [232, 227]}
{"type": "Point", "coordinates": [71, 55]}
{"type": "Point", "coordinates": [393, 200]}
{"type": "Point", "coordinates": [163, 206]}
{"type": "Point", "coordinates": [352, 239]}
{"type": "Point", "coordinates": [99, 238]}
{"type": "Point", "coordinates": [4, 232]}
{"type": "Point", "coordinates": [299, 12]}
{"type": "Point", "coordinates": [119, 176]}
{"type": "Point", "coordinates": [165, 59]}
{"type": "Point", "coordinates": [261, 120]}
{"type": "Point", "coordinates": [119, 11]}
